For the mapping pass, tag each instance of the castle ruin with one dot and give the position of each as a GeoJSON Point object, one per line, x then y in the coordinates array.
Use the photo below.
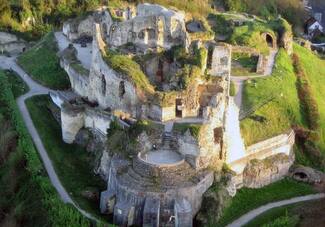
{"type": "Point", "coordinates": [180, 98]}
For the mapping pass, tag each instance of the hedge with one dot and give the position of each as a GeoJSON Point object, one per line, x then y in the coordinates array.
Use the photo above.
{"type": "Point", "coordinates": [59, 213]}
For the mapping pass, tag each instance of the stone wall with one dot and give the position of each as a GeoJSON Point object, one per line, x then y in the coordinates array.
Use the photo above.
{"type": "Point", "coordinates": [105, 83]}
{"type": "Point", "coordinates": [264, 151]}
{"type": "Point", "coordinates": [79, 80]}
{"type": "Point", "coordinates": [73, 118]}
{"type": "Point", "coordinates": [154, 26]}
{"type": "Point", "coordinates": [71, 122]}
{"type": "Point", "coordinates": [11, 44]}
{"type": "Point", "coordinates": [126, 196]}
{"type": "Point", "coordinates": [220, 60]}
{"type": "Point", "coordinates": [78, 27]}
{"type": "Point", "coordinates": [259, 173]}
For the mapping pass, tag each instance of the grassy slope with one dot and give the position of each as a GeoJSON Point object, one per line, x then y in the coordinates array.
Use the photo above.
{"type": "Point", "coordinates": [248, 199]}
{"type": "Point", "coordinates": [250, 35]}
{"type": "Point", "coordinates": [71, 162]}
{"type": "Point", "coordinates": [315, 71]}
{"type": "Point", "coordinates": [42, 63]}
{"type": "Point", "coordinates": [271, 215]}
{"type": "Point", "coordinates": [281, 112]}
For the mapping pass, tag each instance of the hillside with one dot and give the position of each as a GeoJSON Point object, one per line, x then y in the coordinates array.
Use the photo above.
{"type": "Point", "coordinates": [315, 71]}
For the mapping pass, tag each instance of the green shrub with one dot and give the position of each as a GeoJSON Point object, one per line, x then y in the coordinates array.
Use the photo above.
{"type": "Point", "coordinates": [59, 214]}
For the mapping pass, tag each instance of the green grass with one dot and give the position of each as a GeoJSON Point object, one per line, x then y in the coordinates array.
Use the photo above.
{"type": "Point", "coordinates": [278, 115]}
{"type": "Point", "coordinates": [250, 35]}
{"type": "Point", "coordinates": [248, 199]}
{"type": "Point", "coordinates": [72, 163]}
{"type": "Point", "coordinates": [42, 64]}
{"type": "Point", "coordinates": [243, 65]}
{"type": "Point", "coordinates": [314, 68]}
{"type": "Point", "coordinates": [124, 64]}
{"type": "Point", "coordinates": [18, 86]}
{"type": "Point", "coordinates": [271, 215]}
{"type": "Point", "coordinates": [183, 127]}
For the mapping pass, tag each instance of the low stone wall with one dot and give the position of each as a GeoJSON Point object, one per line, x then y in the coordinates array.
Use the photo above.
{"type": "Point", "coordinates": [11, 44]}
{"type": "Point", "coordinates": [281, 144]}
{"type": "Point", "coordinates": [152, 170]}
{"type": "Point", "coordinates": [79, 81]}
{"type": "Point", "coordinates": [245, 49]}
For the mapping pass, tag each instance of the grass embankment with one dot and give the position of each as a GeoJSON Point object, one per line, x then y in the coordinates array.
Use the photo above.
{"type": "Point", "coordinates": [275, 214]}
{"type": "Point", "coordinates": [42, 64]}
{"type": "Point", "coordinates": [309, 213]}
{"type": "Point", "coordinates": [71, 162]}
{"type": "Point", "coordinates": [278, 114]}
{"type": "Point", "coordinates": [314, 68]}
{"type": "Point", "coordinates": [248, 199]}
{"type": "Point", "coordinates": [27, 196]}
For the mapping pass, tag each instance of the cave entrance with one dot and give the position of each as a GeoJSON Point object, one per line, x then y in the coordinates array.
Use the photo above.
{"type": "Point", "coordinates": [269, 40]}
{"type": "Point", "coordinates": [179, 108]}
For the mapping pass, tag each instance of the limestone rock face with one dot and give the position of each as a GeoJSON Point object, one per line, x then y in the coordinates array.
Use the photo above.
{"type": "Point", "coordinates": [7, 37]}
{"type": "Point", "coordinates": [76, 28]}
{"type": "Point", "coordinates": [306, 174]}
{"type": "Point", "coordinates": [259, 173]}
{"type": "Point", "coordinates": [104, 165]}
{"type": "Point", "coordinates": [215, 200]}
{"type": "Point", "coordinates": [287, 42]}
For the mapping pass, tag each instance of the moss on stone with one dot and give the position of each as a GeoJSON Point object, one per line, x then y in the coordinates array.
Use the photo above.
{"type": "Point", "coordinates": [125, 65]}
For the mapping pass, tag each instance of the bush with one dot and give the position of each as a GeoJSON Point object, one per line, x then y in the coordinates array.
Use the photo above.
{"type": "Point", "coordinates": [59, 214]}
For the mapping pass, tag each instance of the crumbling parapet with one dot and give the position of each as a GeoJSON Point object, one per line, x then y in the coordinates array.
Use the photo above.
{"type": "Point", "coordinates": [72, 120]}
{"type": "Point", "coordinates": [219, 60]}
{"type": "Point", "coordinates": [154, 26]}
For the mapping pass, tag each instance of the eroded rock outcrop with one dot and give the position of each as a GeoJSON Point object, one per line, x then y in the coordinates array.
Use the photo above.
{"type": "Point", "coordinates": [259, 173]}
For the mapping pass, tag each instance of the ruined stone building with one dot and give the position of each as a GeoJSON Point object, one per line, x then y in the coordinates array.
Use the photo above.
{"type": "Point", "coordinates": [191, 121]}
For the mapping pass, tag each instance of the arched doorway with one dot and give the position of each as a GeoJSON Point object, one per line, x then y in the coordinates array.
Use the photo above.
{"type": "Point", "coordinates": [269, 40]}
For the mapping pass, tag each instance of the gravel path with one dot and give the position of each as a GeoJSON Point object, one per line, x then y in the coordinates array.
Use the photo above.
{"type": "Point", "coordinates": [37, 89]}
{"type": "Point", "coordinates": [84, 53]}
{"type": "Point", "coordinates": [256, 212]}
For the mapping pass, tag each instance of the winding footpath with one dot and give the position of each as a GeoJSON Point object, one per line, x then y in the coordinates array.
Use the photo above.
{"type": "Point", "coordinates": [256, 212]}
{"type": "Point", "coordinates": [37, 89]}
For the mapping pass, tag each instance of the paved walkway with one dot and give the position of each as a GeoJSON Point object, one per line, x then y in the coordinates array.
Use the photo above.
{"type": "Point", "coordinates": [84, 53]}
{"type": "Point", "coordinates": [240, 80]}
{"type": "Point", "coordinates": [256, 212]}
{"type": "Point", "coordinates": [37, 89]}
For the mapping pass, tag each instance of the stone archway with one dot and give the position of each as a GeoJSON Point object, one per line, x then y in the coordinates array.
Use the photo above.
{"type": "Point", "coordinates": [269, 39]}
